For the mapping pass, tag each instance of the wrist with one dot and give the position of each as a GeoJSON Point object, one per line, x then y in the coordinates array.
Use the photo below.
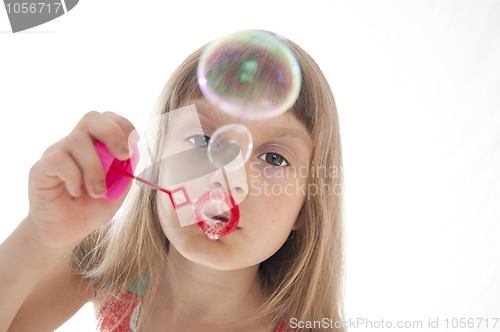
{"type": "Point", "coordinates": [28, 237]}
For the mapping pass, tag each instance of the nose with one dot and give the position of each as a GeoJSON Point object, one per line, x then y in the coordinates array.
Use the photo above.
{"type": "Point", "coordinates": [235, 180]}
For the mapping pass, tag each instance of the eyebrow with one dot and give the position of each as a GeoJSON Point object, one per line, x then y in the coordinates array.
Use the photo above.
{"type": "Point", "coordinates": [277, 132]}
{"type": "Point", "coordinates": [208, 112]}
{"type": "Point", "coordinates": [289, 132]}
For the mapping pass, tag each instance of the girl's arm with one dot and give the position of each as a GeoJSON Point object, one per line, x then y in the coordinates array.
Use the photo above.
{"type": "Point", "coordinates": [66, 187]}
{"type": "Point", "coordinates": [40, 291]}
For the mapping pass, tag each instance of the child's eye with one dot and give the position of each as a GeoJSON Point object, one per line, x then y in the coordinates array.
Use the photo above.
{"type": "Point", "coordinates": [275, 159]}
{"type": "Point", "coordinates": [200, 141]}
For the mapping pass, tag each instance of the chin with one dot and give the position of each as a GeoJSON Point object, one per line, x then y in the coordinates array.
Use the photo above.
{"type": "Point", "coordinates": [223, 254]}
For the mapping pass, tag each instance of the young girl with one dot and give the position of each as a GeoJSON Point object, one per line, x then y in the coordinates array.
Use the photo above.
{"type": "Point", "coordinates": [280, 270]}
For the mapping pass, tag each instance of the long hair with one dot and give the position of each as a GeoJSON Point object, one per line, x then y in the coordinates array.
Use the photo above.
{"type": "Point", "coordinates": [304, 278]}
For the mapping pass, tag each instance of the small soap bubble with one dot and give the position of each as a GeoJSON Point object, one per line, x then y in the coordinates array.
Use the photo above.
{"type": "Point", "coordinates": [230, 146]}
{"type": "Point", "coordinates": [250, 74]}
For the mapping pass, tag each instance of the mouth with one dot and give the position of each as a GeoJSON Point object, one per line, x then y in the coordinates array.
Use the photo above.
{"type": "Point", "coordinates": [216, 217]}
{"type": "Point", "coordinates": [212, 221]}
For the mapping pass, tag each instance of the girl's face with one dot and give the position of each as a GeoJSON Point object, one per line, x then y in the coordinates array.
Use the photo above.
{"type": "Point", "coordinates": [271, 194]}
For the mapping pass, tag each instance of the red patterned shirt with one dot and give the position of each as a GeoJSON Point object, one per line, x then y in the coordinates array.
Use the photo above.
{"type": "Point", "coordinates": [126, 311]}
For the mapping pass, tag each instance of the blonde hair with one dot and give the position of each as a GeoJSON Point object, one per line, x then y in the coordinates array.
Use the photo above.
{"type": "Point", "coordinates": [304, 277]}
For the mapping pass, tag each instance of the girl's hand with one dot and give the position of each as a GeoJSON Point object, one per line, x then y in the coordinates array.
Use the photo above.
{"type": "Point", "coordinates": [67, 184]}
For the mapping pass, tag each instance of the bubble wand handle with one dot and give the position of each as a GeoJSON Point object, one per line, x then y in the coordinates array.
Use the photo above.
{"type": "Point", "coordinates": [151, 184]}
{"type": "Point", "coordinates": [120, 172]}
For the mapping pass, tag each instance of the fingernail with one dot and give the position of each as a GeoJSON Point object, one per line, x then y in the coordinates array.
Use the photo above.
{"type": "Point", "coordinates": [134, 137]}
{"type": "Point", "coordinates": [123, 148]}
{"type": "Point", "coordinates": [77, 192]}
{"type": "Point", "coordinates": [100, 188]}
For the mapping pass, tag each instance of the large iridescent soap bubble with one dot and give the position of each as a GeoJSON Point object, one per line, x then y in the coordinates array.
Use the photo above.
{"type": "Point", "coordinates": [250, 74]}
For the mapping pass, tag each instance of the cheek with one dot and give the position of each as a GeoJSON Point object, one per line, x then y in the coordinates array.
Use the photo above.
{"type": "Point", "coordinates": [266, 223]}
{"type": "Point", "coordinates": [182, 238]}
{"type": "Point", "coordinates": [272, 217]}
{"type": "Point", "coordinates": [167, 215]}
{"type": "Point", "coordinates": [275, 199]}
{"type": "Point", "coordinates": [282, 189]}
{"type": "Point", "coordinates": [270, 210]}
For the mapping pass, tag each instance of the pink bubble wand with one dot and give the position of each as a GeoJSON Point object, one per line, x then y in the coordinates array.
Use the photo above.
{"type": "Point", "coordinates": [119, 173]}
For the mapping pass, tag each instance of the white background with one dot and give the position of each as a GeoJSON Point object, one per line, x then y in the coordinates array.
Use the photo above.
{"type": "Point", "coordinates": [417, 84]}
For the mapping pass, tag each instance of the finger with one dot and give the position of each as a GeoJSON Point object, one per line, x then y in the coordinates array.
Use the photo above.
{"type": "Point", "coordinates": [103, 128]}
{"type": "Point", "coordinates": [81, 148]}
{"type": "Point", "coordinates": [127, 126]}
{"type": "Point", "coordinates": [58, 166]}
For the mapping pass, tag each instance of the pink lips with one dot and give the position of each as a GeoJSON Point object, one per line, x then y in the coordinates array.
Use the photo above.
{"type": "Point", "coordinates": [213, 222]}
